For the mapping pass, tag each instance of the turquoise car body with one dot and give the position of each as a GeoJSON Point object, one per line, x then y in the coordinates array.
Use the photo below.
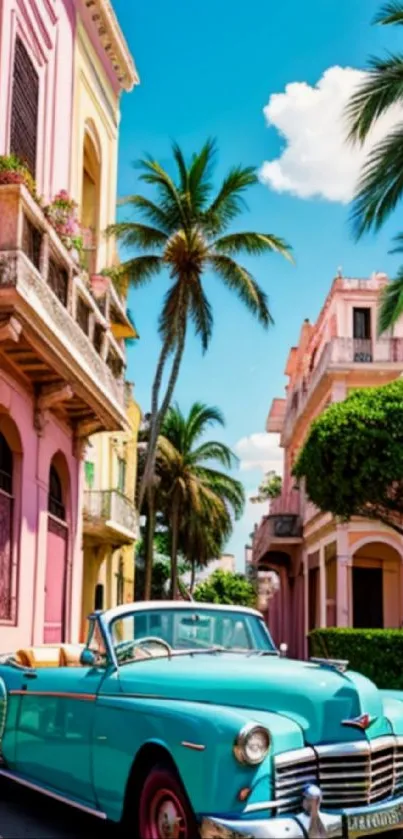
{"type": "Point", "coordinates": [84, 733]}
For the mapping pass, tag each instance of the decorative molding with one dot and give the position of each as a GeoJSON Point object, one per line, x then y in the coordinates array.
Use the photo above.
{"type": "Point", "coordinates": [10, 330]}
{"type": "Point", "coordinates": [53, 395]}
{"type": "Point", "coordinates": [41, 419]}
{"type": "Point", "coordinates": [113, 42]}
{"type": "Point", "coordinates": [80, 446]}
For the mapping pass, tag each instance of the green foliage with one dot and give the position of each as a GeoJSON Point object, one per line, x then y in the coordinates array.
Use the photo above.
{"type": "Point", "coordinates": [376, 653]}
{"type": "Point", "coordinates": [269, 488]}
{"type": "Point", "coordinates": [226, 588]}
{"type": "Point", "coordinates": [352, 460]}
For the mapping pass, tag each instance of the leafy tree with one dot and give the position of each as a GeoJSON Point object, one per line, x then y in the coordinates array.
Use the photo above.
{"type": "Point", "coordinates": [352, 460]}
{"type": "Point", "coordinates": [184, 232]}
{"type": "Point", "coordinates": [380, 186]}
{"type": "Point", "coordinates": [198, 498]}
{"type": "Point", "coordinates": [269, 488]}
{"type": "Point", "coordinates": [226, 588]}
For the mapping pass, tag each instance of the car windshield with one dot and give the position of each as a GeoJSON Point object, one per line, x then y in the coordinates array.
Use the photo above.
{"type": "Point", "coordinates": [192, 629]}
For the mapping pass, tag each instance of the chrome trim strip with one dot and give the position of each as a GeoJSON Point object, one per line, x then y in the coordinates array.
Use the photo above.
{"type": "Point", "coordinates": [82, 697]}
{"type": "Point", "coordinates": [295, 756]}
{"type": "Point", "coordinates": [198, 747]}
{"type": "Point", "coordinates": [36, 788]}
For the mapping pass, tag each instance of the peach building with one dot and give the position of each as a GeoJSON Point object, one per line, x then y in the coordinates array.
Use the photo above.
{"type": "Point", "coordinates": [330, 574]}
{"type": "Point", "coordinates": [62, 364]}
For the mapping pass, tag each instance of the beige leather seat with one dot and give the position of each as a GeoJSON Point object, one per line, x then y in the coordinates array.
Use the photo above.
{"type": "Point", "coordinates": [70, 655]}
{"type": "Point", "coordinates": [47, 655]}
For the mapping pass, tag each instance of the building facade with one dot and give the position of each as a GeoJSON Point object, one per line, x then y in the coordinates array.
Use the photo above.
{"type": "Point", "coordinates": [330, 574]}
{"type": "Point", "coordinates": [62, 369]}
{"type": "Point", "coordinates": [110, 519]}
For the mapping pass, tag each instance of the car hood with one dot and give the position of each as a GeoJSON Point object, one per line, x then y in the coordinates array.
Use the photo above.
{"type": "Point", "coordinates": [318, 698]}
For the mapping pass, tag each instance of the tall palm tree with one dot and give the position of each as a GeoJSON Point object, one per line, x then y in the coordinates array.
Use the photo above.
{"type": "Point", "coordinates": [185, 232]}
{"type": "Point", "coordinates": [381, 183]}
{"type": "Point", "coordinates": [200, 498]}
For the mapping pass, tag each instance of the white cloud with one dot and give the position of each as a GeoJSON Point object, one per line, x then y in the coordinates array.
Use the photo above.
{"type": "Point", "coordinates": [260, 451]}
{"type": "Point", "coordinates": [317, 160]}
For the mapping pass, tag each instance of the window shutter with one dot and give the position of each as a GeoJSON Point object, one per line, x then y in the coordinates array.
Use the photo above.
{"type": "Point", "coordinates": [24, 110]}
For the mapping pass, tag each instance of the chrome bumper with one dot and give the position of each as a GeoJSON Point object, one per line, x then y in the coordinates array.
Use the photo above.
{"type": "Point", "coordinates": [312, 822]}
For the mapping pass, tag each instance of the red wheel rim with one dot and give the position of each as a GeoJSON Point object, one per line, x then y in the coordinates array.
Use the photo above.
{"type": "Point", "coordinates": [162, 813]}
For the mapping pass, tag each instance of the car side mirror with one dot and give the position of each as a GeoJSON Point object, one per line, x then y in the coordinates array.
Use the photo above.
{"type": "Point", "coordinates": [283, 650]}
{"type": "Point", "coordinates": [88, 658]}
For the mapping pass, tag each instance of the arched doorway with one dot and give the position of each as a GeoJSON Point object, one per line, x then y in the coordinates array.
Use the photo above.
{"type": "Point", "coordinates": [375, 595]}
{"type": "Point", "coordinates": [56, 558]}
{"type": "Point", "coordinates": [6, 528]}
{"type": "Point", "coordinates": [91, 188]}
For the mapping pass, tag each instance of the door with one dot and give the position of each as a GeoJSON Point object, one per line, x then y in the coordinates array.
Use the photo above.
{"type": "Point", "coordinates": [55, 726]}
{"type": "Point", "coordinates": [313, 597]}
{"type": "Point", "coordinates": [362, 334]}
{"type": "Point", "coordinates": [367, 598]}
{"type": "Point", "coordinates": [55, 582]}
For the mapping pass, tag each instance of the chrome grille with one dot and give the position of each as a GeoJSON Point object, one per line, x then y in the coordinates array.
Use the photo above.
{"type": "Point", "coordinates": [349, 775]}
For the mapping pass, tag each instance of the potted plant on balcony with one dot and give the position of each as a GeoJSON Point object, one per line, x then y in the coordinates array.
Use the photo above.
{"type": "Point", "coordinates": [62, 215]}
{"type": "Point", "coordinates": [14, 171]}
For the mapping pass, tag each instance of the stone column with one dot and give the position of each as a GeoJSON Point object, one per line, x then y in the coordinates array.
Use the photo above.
{"type": "Point", "coordinates": [342, 587]}
{"type": "Point", "coordinates": [322, 587]}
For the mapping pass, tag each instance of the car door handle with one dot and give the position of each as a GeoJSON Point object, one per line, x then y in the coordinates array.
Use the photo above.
{"type": "Point", "coordinates": [30, 674]}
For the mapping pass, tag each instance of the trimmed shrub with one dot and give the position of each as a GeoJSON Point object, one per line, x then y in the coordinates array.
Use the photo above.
{"type": "Point", "coordinates": [376, 653]}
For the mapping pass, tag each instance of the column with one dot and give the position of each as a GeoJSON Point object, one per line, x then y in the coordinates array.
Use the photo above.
{"type": "Point", "coordinates": [306, 600]}
{"type": "Point", "coordinates": [322, 587]}
{"type": "Point", "coordinates": [342, 587]}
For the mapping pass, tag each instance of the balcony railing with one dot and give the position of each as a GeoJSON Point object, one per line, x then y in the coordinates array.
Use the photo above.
{"type": "Point", "coordinates": [337, 354]}
{"type": "Point", "coordinates": [112, 509]}
{"type": "Point", "coordinates": [35, 263]}
{"type": "Point", "coordinates": [284, 526]}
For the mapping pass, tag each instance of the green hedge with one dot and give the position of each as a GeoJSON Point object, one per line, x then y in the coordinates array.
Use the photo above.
{"type": "Point", "coordinates": [376, 653]}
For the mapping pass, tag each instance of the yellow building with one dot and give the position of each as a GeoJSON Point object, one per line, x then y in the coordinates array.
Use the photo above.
{"type": "Point", "coordinates": [103, 70]}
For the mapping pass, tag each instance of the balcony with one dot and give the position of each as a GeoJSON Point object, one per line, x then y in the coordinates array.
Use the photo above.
{"type": "Point", "coordinates": [109, 517]}
{"type": "Point", "coordinates": [281, 529]}
{"type": "Point", "coordinates": [342, 355]}
{"type": "Point", "coordinates": [53, 335]}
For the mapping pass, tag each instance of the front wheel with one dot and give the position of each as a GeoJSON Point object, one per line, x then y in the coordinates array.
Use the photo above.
{"type": "Point", "coordinates": [164, 812]}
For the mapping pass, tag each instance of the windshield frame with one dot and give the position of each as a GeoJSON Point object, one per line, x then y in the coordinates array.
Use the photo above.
{"type": "Point", "coordinates": [108, 619]}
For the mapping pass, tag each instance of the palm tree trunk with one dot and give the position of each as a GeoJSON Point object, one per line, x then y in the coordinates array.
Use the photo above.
{"type": "Point", "coordinates": [149, 543]}
{"type": "Point", "coordinates": [158, 417]}
{"type": "Point", "coordinates": [193, 576]}
{"type": "Point", "coordinates": [174, 547]}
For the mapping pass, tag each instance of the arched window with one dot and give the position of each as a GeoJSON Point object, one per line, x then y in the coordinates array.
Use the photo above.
{"type": "Point", "coordinates": [55, 497]}
{"type": "Point", "coordinates": [91, 187]}
{"type": "Point", "coordinates": [6, 466]}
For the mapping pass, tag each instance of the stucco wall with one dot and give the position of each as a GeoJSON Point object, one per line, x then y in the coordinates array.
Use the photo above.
{"type": "Point", "coordinates": [31, 516]}
{"type": "Point", "coordinates": [47, 30]}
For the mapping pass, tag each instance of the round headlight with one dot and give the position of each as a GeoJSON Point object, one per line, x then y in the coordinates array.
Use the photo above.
{"type": "Point", "coordinates": [252, 744]}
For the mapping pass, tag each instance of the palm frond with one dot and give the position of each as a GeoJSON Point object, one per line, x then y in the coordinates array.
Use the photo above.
{"type": "Point", "coordinates": [238, 279]}
{"type": "Point", "coordinates": [134, 234]}
{"type": "Point", "coordinates": [174, 309]}
{"type": "Point", "coordinates": [141, 269]}
{"type": "Point", "coordinates": [153, 173]}
{"type": "Point", "coordinates": [381, 184]}
{"type": "Point", "coordinates": [182, 168]}
{"type": "Point", "coordinates": [200, 185]}
{"type": "Point", "coordinates": [227, 488]}
{"type": "Point", "coordinates": [390, 13]}
{"type": "Point", "coordinates": [200, 312]}
{"type": "Point", "coordinates": [398, 239]}
{"type": "Point", "coordinates": [131, 342]}
{"type": "Point", "coordinates": [382, 88]}
{"type": "Point", "coordinates": [213, 450]}
{"type": "Point", "coordinates": [229, 201]}
{"type": "Point", "coordinates": [252, 243]}
{"type": "Point", "coordinates": [199, 419]}
{"type": "Point", "coordinates": [391, 303]}
{"type": "Point", "coordinates": [151, 212]}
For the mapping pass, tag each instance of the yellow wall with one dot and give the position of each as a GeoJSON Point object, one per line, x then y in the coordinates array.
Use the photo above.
{"type": "Point", "coordinates": [95, 105]}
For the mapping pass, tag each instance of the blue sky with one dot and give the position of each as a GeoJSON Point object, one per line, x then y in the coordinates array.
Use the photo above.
{"type": "Point", "coordinates": [209, 70]}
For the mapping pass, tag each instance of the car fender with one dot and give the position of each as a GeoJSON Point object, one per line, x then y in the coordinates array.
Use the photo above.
{"type": "Point", "coordinates": [199, 740]}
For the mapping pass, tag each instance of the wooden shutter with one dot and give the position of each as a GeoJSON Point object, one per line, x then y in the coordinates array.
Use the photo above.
{"type": "Point", "coordinates": [24, 111]}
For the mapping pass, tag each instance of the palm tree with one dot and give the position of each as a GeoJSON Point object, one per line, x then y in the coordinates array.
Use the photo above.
{"type": "Point", "coordinates": [381, 183]}
{"type": "Point", "coordinates": [185, 231]}
{"type": "Point", "coordinates": [199, 497]}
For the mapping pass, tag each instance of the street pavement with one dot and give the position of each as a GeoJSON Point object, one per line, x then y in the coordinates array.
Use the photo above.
{"type": "Point", "coordinates": [26, 815]}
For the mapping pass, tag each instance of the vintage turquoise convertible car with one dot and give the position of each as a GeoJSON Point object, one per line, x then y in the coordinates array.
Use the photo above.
{"type": "Point", "coordinates": [180, 718]}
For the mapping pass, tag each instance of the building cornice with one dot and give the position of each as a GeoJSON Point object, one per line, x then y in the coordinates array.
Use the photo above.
{"type": "Point", "coordinates": [113, 42]}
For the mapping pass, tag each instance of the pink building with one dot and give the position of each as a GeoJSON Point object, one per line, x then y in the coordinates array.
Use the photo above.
{"type": "Point", "coordinates": [330, 574]}
{"type": "Point", "coordinates": [61, 368]}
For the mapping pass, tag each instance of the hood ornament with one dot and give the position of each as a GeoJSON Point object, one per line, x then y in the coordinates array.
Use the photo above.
{"type": "Point", "coordinates": [363, 722]}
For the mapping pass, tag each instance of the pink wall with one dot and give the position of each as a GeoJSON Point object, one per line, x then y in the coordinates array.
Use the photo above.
{"type": "Point", "coordinates": [31, 479]}
{"type": "Point", "coordinates": [47, 29]}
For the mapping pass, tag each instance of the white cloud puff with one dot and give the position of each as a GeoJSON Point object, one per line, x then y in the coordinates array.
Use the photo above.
{"type": "Point", "coordinates": [260, 451]}
{"type": "Point", "coordinates": [317, 160]}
